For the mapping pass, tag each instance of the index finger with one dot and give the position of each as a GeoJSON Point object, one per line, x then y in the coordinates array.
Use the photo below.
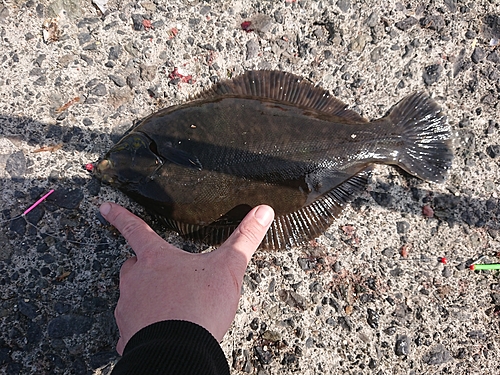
{"type": "Point", "coordinates": [138, 234]}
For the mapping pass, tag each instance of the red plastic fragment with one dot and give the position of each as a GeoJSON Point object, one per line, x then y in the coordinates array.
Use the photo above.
{"type": "Point", "coordinates": [247, 26]}
{"type": "Point", "coordinates": [184, 78]}
{"type": "Point", "coordinates": [404, 251]}
{"type": "Point", "coordinates": [147, 24]}
{"type": "Point", "coordinates": [89, 167]}
{"type": "Point", "coordinates": [349, 230]}
{"type": "Point", "coordinates": [172, 32]}
{"type": "Point", "coordinates": [443, 260]}
{"type": "Point", "coordinates": [472, 267]}
{"type": "Point", "coordinates": [427, 211]}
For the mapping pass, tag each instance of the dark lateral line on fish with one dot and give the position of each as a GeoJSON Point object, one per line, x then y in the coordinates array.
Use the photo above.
{"type": "Point", "coordinates": [294, 168]}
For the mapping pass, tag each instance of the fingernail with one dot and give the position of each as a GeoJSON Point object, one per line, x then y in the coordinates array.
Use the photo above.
{"type": "Point", "coordinates": [104, 209]}
{"type": "Point", "coordinates": [264, 215]}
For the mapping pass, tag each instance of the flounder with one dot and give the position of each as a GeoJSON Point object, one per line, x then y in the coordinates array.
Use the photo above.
{"type": "Point", "coordinates": [268, 137]}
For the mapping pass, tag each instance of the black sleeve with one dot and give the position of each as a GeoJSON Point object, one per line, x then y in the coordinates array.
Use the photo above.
{"type": "Point", "coordinates": [172, 347]}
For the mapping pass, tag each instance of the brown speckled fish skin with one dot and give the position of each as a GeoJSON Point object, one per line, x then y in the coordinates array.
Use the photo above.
{"type": "Point", "coordinates": [272, 138]}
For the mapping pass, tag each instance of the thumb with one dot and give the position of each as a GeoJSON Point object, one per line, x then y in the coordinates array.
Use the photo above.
{"type": "Point", "coordinates": [120, 346]}
{"type": "Point", "coordinates": [250, 233]}
{"type": "Point", "coordinates": [138, 234]}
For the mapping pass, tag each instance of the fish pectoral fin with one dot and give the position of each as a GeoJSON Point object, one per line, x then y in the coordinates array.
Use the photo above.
{"type": "Point", "coordinates": [181, 157]}
{"type": "Point", "coordinates": [324, 181]}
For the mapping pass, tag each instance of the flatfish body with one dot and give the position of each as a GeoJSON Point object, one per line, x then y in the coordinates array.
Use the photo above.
{"type": "Point", "coordinates": [268, 137]}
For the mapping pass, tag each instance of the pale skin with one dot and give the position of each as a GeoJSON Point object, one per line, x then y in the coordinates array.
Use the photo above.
{"type": "Point", "coordinates": [163, 282]}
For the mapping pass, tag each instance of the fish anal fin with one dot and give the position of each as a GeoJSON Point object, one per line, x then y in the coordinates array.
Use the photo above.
{"type": "Point", "coordinates": [282, 87]}
{"type": "Point", "coordinates": [312, 220]}
{"type": "Point", "coordinates": [214, 233]}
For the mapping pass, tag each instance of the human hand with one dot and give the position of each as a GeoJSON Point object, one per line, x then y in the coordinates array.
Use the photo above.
{"type": "Point", "coordinates": [163, 282]}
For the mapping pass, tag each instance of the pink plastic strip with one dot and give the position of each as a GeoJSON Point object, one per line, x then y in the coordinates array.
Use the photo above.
{"type": "Point", "coordinates": [37, 202]}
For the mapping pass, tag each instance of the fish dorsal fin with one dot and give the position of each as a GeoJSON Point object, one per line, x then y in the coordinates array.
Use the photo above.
{"type": "Point", "coordinates": [282, 87]}
{"type": "Point", "coordinates": [288, 230]}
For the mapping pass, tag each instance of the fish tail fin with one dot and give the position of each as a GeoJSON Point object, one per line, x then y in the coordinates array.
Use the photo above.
{"type": "Point", "coordinates": [426, 151]}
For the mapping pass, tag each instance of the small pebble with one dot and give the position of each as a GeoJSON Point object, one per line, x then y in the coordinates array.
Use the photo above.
{"type": "Point", "coordinates": [28, 309]}
{"type": "Point", "coordinates": [68, 325]}
{"type": "Point", "coordinates": [90, 47]}
{"type": "Point", "coordinates": [432, 73]}
{"type": "Point", "coordinates": [101, 359]}
{"type": "Point", "coordinates": [278, 16]}
{"type": "Point", "coordinates": [437, 355]}
{"type": "Point", "coordinates": [337, 267]}
{"type": "Point", "coordinates": [402, 346]}
{"type": "Point", "coordinates": [408, 51]}
{"type": "Point", "coordinates": [470, 34]}
{"type": "Point", "coordinates": [133, 80]}
{"type": "Point", "coordinates": [406, 24]}
{"type": "Point", "coordinates": [99, 90]}
{"type": "Point", "coordinates": [344, 5]}
{"type": "Point", "coordinates": [493, 151]}
{"type": "Point", "coordinates": [373, 19]}
{"type": "Point", "coordinates": [478, 55]}
{"type": "Point", "coordinates": [272, 336]}
{"type": "Point", "coordinates": [372, 364]}
{"type": "Point", "coordinates": [115, 52]}
{"type": "Point", "coordinates": [402, 227]}
{"type": "Point", "coordinates": [390, 330]}
{"type": "Point", "coordinates": [332, 322]}
{"type": "Point", "coordinates": [84, 38]}
{"type": "Point", "coordinates": [261, 23]}
{"type": "Point", "coordinates": [41, 81]}
{"type": "Point", "coordinates": [15, 165]}
{"type": "Point", "coordinates": [493, 57]}
{"type": "Point", "coordinates": [66, 197]}
{"type": "Point", "coordinates": [254, 324]}
{"type": "Point", "coordinates": [147, 72]}
{"type": "Point", "coordinates": [118, 80]}
{"type": "Point", "coordinates": [194, 21]}
{"type": "Point", "coordinates": [383, 199]}
{"type": "Point", "coordinates": [264, 356]}
{"type": "Point", "coordinates": [137, 20]}
{"type": "Point", "coordinates": [388, 252]}
{"type": "Point", "coordinates": [252, 49]}
{"type": "Point", "coordinates": [432, 22]}
{"type": "Point", "coordinates": [476, 335]}
{"type": "Point", "coordinates": [345, 323]}
{"type": "Point", "coordinates": [447, 272]}
{"type": "Point", "coordinates": [373, 318]}
{"type": "Point", "coordinates": [305, 264]}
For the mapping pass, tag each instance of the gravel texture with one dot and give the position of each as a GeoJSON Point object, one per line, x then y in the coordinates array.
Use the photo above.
{"type": "Point", "coordinates": [369, 296]}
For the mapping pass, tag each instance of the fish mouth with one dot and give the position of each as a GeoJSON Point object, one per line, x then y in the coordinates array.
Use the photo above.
{"type": "Point", "coordinates": [100, 168]}
{"type": "Point", "coordinates": [103, 169]}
